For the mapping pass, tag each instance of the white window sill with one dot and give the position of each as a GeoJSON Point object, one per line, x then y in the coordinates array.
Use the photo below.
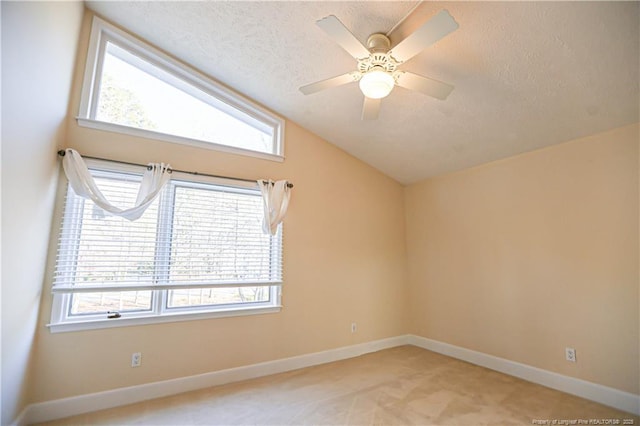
{"type": "Point", "coordinates": [157, 319]}
{"type": "Point", "coordinates": [150, 134]}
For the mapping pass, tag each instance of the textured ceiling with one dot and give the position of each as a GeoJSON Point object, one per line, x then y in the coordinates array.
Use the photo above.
{"type": "Point", "coordinates": [526, 74]}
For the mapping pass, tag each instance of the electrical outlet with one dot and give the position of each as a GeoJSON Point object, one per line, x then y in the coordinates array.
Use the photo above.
{"type": "Point", "coordinates": [136, 359]}
{"type": "Point", "coordinates": [354, 327]}
{"type": "Point", "coordinates": [570, 354]}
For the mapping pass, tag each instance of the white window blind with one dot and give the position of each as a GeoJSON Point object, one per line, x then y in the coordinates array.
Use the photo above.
{"type": "Point", "coordinates": [197, 252]}
{"type": "Point", "coordinates": [195, 235]}
{"type": "Point", "coordinates": [96, 249]}
{"type": "Point", "coordinates": [217, 238]}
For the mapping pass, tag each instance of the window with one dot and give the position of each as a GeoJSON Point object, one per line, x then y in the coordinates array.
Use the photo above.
{"type": "Point", "coordinates": [131, 87]}
{"type": "Point", "coordinates": [197, 251]}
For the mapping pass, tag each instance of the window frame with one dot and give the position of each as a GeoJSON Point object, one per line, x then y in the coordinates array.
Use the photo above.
{"type": "Point", "coordinates": [184, 78]}
{"type": "Point", "coordinates": [159, 311]}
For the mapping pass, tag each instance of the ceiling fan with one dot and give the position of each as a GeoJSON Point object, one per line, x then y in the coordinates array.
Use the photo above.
{"type": "Point", "coordinates": [378, 63]}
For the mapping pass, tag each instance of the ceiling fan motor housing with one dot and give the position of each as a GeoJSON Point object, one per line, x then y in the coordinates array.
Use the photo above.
{"type": "Point", "coordinates": [378, 45]}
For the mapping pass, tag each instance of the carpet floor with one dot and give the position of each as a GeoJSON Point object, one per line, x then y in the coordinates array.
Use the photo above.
{"type": "Point", "coordinates": [406, 385]}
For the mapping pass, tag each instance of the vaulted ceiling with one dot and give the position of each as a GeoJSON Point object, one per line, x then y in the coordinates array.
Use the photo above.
{"type": "Point", "coordinates": [526, 74]}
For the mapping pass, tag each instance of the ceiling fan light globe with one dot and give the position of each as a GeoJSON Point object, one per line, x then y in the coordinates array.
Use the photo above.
{"type": "Point", "coordinates": [376, 84]}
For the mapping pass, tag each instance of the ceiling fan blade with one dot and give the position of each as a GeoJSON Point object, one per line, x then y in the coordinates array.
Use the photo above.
{"type": "Point", "coordinates": [370, 108]}
{"type": "Point", "coordinates": [430, 32]}
{"type": "Point", "coordinates": [337, 31]}
{"type": "Point", "coordinates": [428, 86]}
{"type": "Point", "coordinates": [330, 82]}
{"type": "Point", "coordinates": [415, 17]}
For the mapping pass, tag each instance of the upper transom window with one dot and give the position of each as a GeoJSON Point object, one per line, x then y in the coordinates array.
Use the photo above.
{"type": "Point", "coordinates": [131, 87]}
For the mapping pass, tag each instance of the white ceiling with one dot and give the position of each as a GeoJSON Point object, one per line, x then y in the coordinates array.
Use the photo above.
{"type": "Point", "coordinates": [526, 74]}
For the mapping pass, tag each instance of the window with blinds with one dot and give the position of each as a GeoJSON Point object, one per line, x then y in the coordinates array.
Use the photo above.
{"type": "Point", "coordinates": [198, 249]}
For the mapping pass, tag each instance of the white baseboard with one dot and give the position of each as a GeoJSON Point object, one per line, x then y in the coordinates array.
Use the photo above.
{"type": "Point", "coordinates": [605, 395]}
{"type": "Point", "coordinates": [65, 407]}
{"type": "Point", "coordinates": [51, 410]}
{"type": "Point", "coordinates": [21, 419]}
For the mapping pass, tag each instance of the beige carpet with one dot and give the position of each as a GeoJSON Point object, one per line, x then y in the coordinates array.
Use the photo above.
{"type": "Point", "coordinates": [400, 386]}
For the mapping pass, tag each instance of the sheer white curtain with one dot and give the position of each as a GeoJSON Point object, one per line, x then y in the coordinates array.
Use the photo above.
{"type": "Point", "coordinates": [154, 178]}
{"type": "Point", "coordinates": [275, 198]}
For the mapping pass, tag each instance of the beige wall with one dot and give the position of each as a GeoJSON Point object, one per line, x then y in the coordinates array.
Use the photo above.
{"type": "Point", "coordinates": [35, 96]}
{"type": "Point", "coordinates": [523, 257]}
{"type": "Point", "coordinates": [344, 261]}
